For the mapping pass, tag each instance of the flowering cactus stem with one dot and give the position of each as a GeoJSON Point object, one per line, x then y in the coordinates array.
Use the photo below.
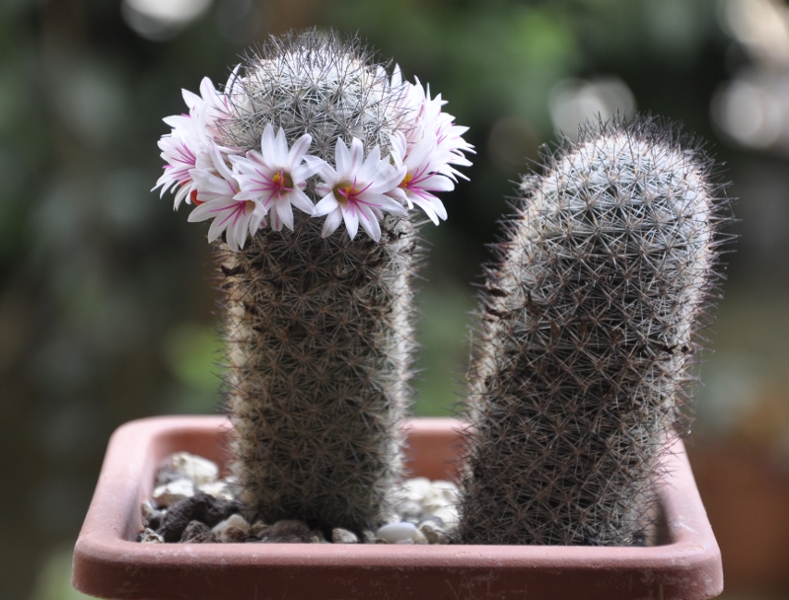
{"type": "Point", "coordinates": [320, 338]}
{"type": "Point", "coordinates": [317, 317]}
{"type": "Point", "coordinates": [588, 324]}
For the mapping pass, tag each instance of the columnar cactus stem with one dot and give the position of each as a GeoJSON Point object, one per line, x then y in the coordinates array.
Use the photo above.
{"type": "Point", "coordinates": [318, 320]}
{"type": "Point", "coordinates": [320, 339]}
{"type": "Point", "coordinates": [319, 330]}
{"type": "Point", "coordinates": [587, 327]}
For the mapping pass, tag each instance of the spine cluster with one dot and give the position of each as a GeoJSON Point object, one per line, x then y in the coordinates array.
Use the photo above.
{"type": "Point", "coordinates": [587, 327]}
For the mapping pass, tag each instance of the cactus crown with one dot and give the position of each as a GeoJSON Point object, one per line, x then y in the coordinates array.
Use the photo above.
{"type": "Point", "coordinates": [588, 323]}
{"type": "Point", "coordinates": [316, 83]}
{"type": "Point", "coordinates": [310, 118]}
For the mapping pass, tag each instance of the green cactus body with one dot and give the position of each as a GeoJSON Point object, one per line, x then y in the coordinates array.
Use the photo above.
{"type": "Point", "coordinates": [587, 328]}
{"type": "Point", "coordinates": [319, 330]}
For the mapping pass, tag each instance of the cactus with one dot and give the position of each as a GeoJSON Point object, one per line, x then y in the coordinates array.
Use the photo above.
{"type": "Point", "coordinates": [318, 322]}
{"type": "Point", "coordinates": [319, 331]}
{"type": "Point", "coordinates": [320, 337]}
{"type": "Point", "coordinates": [588, 324]}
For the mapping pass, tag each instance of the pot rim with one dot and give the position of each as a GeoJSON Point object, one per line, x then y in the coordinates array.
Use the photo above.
{"type": "Point", "coordinates": [110, 563]}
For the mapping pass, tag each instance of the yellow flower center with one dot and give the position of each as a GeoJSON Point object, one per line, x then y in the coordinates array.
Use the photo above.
{"type": "Point", "coordinates": [344, 192]}
{"type": "Point", "coordinates": [283, 181]}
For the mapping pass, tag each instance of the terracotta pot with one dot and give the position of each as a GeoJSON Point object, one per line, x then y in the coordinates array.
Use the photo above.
{"type": "Point", "coordinates": [109, 563]}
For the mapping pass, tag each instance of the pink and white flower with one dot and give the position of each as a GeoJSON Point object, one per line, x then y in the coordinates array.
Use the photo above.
{"type": "Point", "coordinates": [186, 147]}
{"type": "Point", "coordinates": [427, 143]}
{"type": "Point", "coordinates": [450, 144]}
{"type": "Point", "coordinates": [276, 176]}
{"type": "Point", "coordinates": [216, 196]}
{"type": "Point", "coordinates": [238, 188]}
{"type": "Point", "coordinates": [355, 191]}
{"type": "Point", "coordinates": [422, 177]}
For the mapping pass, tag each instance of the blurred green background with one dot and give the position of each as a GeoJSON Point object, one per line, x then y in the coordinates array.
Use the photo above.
{"type": "Point", "coordinates": [105, 299]}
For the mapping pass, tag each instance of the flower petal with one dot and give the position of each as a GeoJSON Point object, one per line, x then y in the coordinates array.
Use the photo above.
{"type": "Point", "coordinates": [342, 158]}
{"type": "Point", "coordinates": [333, 220]}
{"type": "Point", "coordinates": [386, 203]}
{"type": "Point", "coordinates": [301, 201]}
{"type": "Point", "coordinates": [351, 217]}
{"type": "Point", "coordinates": [299, 150]}
{"type": "Point", "coordinates": [369, 223]}
{"type": "Point", "coordinates": [285, 213]}
{"type": "Point", "coordinates": [208, 210]}
{"type": "Point", "coordinates": [267, 142]}
{"type": "Point", "coordinates": [326, 205]}
{"type": "Point", "coordinates": [357, 154]}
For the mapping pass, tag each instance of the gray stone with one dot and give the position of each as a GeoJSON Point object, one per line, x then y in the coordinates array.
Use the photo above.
{"type": "Point", "coordinates": [197, 533]}
{"type": "Point", "coordinates": [287, 532]}
{"type": "Point", "coordinates": [198, 469]}
{"type": "Point", "coordinates": [343, 536]}
{"type": "Point", "coordinates": [219, 489]}
{"type": "Point", "coordinates": [233, 529]}
{"type": "Point", "coordinates": [409, 510]}
{"type": "Point", "coordinates": [448, 514]}
{"type": "Point", "coordinates": [173, 492]}
{"type": "Point", "coordinates": [416, 488]}
{"type": "Point", "coordinates": [200, 507]}
{"type": "Point", "coordinates": [149, 536]}
{"type": "Point", "coordinates": [433, 533]}
{"type": "Point", "coordinates": [151, 517]}
{"type": "Point", "coordinates": [396, 532]}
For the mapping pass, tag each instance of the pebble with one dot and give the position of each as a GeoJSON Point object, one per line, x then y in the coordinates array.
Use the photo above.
{"type": "Point", "coordinates": [149, 536]}
{"type": "Point", "coordinates": [200, 507]}
{"type": "Point", "coordinates": [433, 532]}
{"type": "Point", "coordinates": [410, 510]}
{"type": "Point", "coordinates": [257, 528]}
{"type": "Point", "coordinates": [394, 533]}
{"type": "Point", "coordinates": [447, 514]}
{"type": "Point", "coordinates": [198, 533]}
{"type": "Point", "coordinates": [287, 532]}
{"type": "Point", "coordinates": [419, 537]}
{"type": "Point", "coordinates": [198, 469]}
{"type": "Point", "coordinates": [318, 538]}
{"type": "Point", "coordinates": [368, 537]}
{"type": "Point", "coordinates": [188, 491]}
{"type": "Point", "coordinates": [343, 536]}
{"type": "Point", "coordinates": [173, 492]}
{"type": "Point", "coordinates": [416, 488]}
{"type": "Point", "coordinates": [151, 517]}
{"type": "Point", "coordinates": [219, 489]}
{"type": "Point", "coordinates": [233, 529]}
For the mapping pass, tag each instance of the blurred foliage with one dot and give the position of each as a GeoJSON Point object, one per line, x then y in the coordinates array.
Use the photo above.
{"type": "Point", "coordinates": [106, 297]}
{"type": "Point", "coordinates": [53, 579]}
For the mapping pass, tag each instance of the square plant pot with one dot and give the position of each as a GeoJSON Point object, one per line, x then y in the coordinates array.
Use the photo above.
{"type": "Point", "coordinates": [110, 563]}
